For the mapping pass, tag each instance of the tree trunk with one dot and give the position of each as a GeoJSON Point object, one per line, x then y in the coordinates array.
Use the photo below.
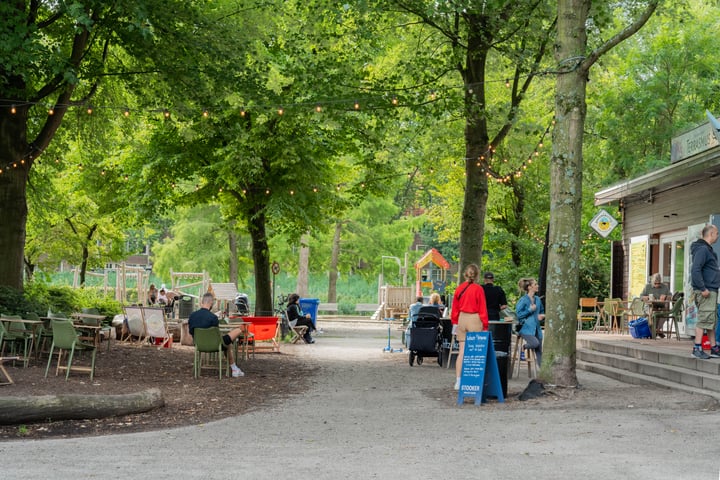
{"type": "Point", "coordinates": [13, 206]}
{"type": "Point", "coordinates": [301, 284]}
{"type": "Point", "coordinates": [472, 228]}
{"type": "Point", "coordinates": [334, 258]}
{"type": "Point", "coordinates": [261, 261]}
{"type": "Point", "coordinates": [17, 410]}
{"type": "Point", "coordinates": [233, 262]}
{"type": "Point", "coordinates": [86, 254]}
{"type": "Point", "coordinates": [566, 168]}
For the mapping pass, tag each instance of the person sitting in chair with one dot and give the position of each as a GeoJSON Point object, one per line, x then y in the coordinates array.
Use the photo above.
{"type": "Point", "coordinates": [656, 290]}
{"type": "Point", "coordinates": [297, 317]}
{"type": "Point", "coordinates": [204, 318]}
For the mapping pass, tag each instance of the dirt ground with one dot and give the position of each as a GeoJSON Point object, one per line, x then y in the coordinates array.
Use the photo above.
{"type": "Point", "coordinates": [129, 368]}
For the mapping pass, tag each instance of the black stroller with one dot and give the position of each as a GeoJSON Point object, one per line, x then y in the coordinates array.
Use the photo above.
{"type": "Point", "coordinates": [242, 303]}
{"type": "Point", "coordinates": [426, 337]}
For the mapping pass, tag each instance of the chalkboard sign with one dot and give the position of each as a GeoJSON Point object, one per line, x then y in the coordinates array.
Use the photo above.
{"type": "Point", "coordinates": [480, 376]}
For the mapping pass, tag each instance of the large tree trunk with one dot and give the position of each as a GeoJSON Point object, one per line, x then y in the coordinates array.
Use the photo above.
{"type": "Point", "coordinates": [472, 228]}
{"type": "Point", "coordinates": [16, 410]}
{"type": "Point", "coordinates": [261, 261]}
{"type": "Point", "coordinates": [13, 206]}
{"type": "Point", "coordinates": [565, 199]}
{"type": "Point", "coordinates": [333, 269]}
{"type": "Point", "coordinates": [301, 285]}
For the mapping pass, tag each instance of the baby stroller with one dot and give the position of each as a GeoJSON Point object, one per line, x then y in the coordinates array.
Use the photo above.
{"type": "Point", "coordinates": [242, 303]}
{"type": "Point", "coordinates": [425, 336]}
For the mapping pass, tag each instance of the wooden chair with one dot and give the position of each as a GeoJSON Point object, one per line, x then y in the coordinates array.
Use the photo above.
{"type": "Point", "coordinates": [588, 312]}
{"type": "Point", "coordinates": [264, 332]}
{"type": "Point", "coordinates": [135, 327]}
{"type": "Point", "coordinates": [156, 326]}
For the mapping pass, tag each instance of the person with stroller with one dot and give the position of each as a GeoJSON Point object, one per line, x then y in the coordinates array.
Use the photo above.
{"type": "Point", "coordinates": [296, 317]}
{"type": "Point", "coordinates": [530, 312]}
{"type": "Point", "coordinates": [468, 314]}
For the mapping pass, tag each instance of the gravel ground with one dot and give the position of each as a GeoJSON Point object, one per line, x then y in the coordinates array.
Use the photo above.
{"type": "Point", "coordinates": [367, 414]}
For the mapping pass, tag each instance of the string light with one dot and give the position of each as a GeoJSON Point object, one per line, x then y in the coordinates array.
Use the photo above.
{"type": "Point", "coordinates": [13, 110]}
{"type": "Point", "coordinates": [166, 113]}
{"type": "Point", "coordinates": [90, 110]}
{"type": "Point", "coordinates": [205, 113]}
{"type": "Point", "coordinates": [51, 111]}
{"type": "Point", "coordinates": [242, 111]}
{"type": "Point", "coordinates": [126, 112]}
{"type": "Point", "coordinates": [318, 108]}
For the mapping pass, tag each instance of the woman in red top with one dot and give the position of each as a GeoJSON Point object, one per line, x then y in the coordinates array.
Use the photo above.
{"type": "Point", "coordinates": [469, 313]}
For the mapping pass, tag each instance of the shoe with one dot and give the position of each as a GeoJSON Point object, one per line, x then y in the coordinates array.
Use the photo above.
{"type": "Point", "coordinates": [236, 372]}
{"type": "Point", "coordinates": [715, 351]}
{"type": "Point", "coordinates": [457, 384]}
{"type": "Point", "coordinates": [700, 354]}
{"type": "Point", "coordinates": [660, 334]}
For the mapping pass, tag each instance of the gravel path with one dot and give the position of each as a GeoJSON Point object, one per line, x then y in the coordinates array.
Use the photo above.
{"type": "Point", "coordinates": [369, 415]}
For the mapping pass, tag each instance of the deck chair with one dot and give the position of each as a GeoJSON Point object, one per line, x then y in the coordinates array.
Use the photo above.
{"type": "Point", "coordinates": [135, 325]}
{"type": "Point", "coordinates": [588, 312]}
{"type": "Point", "coordinates": [156, 326]}
{"type": "Point", "coordinates": [297, 332]}
{"type": "Point", "coordinates": [208, 346]}
{"type": "Point", "coordinates": [264, 332]}
{"type": "Point", "coordinates": [65, 339]}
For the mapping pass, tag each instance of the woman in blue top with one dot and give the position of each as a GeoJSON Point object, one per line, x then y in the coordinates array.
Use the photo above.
{"type": "Point", "coordinates": [530, 312]}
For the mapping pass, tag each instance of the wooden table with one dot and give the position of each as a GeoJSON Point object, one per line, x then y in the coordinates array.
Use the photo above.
{"type": "Point", "coordinates": [91, 324]}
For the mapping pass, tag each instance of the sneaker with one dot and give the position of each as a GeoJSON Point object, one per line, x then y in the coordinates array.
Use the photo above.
{"type": "Point", "coordinates": [715, 351]}
{"type": "Point", "coordinates": [457, 384]}
{"type": "Point", "coordinates": [700, 354]}
{"type": "Point", "coordinates": [236, 372]}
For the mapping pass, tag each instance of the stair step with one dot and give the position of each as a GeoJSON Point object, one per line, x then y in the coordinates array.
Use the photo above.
{"type": "Point", "coordinates": [640, 379]}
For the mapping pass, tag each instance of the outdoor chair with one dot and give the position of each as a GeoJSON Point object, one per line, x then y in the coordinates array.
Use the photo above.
{"type": "Point", "coordinates": [65, 339]}
{"type": "Point", "coordinates": [135, 327]}
{"type": "Point", "coordinates": [264, 332]}
{"type": "Point", "coordinates": [636, 310]}
{"type": "Point", "coordinates": [208, 346]}
{"type": "Point", "coordinates": [16, 335]}
{"type": "Point", "coordinates": [670, 319]}
{"type": "Point", "coordinates": [588, 313]}
{"type": "Point", "coordinates": [156, 326]}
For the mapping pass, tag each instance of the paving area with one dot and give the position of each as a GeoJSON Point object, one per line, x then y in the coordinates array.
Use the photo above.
{"type": "Point", "coordinates": [368, 414]}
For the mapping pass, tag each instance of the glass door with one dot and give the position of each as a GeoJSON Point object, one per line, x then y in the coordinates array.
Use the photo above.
{"type": "Point", "coordinates": [672, 260]}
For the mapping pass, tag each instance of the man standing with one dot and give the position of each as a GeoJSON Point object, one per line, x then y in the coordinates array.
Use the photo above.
{"type": "Point", "coordinates": [204, 318]}
{"type": "Point", "coordinates": [494, 297]}
{"type": "Point", "coordinates": [705, 281]}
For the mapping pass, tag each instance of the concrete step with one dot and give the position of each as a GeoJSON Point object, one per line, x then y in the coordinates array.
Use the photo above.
{"type": "Point", "coordinates": [641, 364]}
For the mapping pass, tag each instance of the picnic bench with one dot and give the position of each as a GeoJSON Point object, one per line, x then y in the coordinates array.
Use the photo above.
{"type": "Point", "coordinates": [328, 307]}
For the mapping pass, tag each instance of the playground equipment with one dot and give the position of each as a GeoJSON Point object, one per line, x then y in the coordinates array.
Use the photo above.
{"type": "Point", "coordinates": [431, 272]}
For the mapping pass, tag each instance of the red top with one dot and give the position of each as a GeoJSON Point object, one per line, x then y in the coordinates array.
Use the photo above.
{"type": "Point", "coordinates": [469, 300]}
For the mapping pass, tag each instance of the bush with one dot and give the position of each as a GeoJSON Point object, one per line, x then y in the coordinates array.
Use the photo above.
{"type": "Point", "coordinates": [13, 302]}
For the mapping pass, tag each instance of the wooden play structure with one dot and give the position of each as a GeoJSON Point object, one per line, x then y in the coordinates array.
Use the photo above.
{"type": "Point", "coordinates": [431, 273]}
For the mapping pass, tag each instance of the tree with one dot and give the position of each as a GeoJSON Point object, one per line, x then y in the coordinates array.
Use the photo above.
{"type": "Point", "coordinates": [566, 178]}
{"type": "Point", "coordinates": [55, 56]}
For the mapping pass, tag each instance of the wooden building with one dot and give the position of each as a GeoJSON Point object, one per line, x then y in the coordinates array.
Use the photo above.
{"type": "Point", "coordinates": [662, 213]}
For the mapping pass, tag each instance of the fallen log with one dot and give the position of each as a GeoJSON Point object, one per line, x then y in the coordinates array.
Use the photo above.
{"type": "Point", "coordinates": [42, 408]}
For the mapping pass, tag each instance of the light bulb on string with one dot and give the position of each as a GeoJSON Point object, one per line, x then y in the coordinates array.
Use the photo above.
{"type": "Point", "coordinates": [242, 111]}
{"type": "Point", "coordinates": [102, 173]}
{"type": "Point", "coordinates": [507, 83]}
{"type": "Point", "coordinates": [292, 192]}
{"type": "Point", "coordinates": [205, 113]}
{"type": "Point", "coordinates": [13, 110]}
{"type": "Point", "coordinates": [51, 111]}
{"type": "Point", "coordinates": [126, 112]}
{"type": "Point", "coordinates": [90, 110]}
{"type": "Point", "coordinates": [267, 191]}
{"type": "Point", "coordinates": [166, 113]}
{"type": "Point", "coordinates": [318, 108]}
{"type": "Point", "coordinates": [281, 111]}
{"type": "Point", "coordinates": [394, 101]}
{"type": "Point", "coordinates": [357, 105]}
{"type": "Point", "coordinates": [433, 95]}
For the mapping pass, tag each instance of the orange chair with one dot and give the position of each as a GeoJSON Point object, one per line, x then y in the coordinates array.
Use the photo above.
{"type": "Point", "coordinates": [265, 330]}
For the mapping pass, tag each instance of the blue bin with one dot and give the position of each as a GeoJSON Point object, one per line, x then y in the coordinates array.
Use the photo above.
{"type": "Point", "coordinates": [310, 305]}
{"type": "Point", "coordinates": [639, 328]}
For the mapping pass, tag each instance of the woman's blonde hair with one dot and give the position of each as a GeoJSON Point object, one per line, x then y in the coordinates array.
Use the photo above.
{"type": "Point", "coordinates": [472, 272]}
{"type": "Point", "coordinates": [434, 298]}
{"type": "Point", "coordinates": [525, 283]}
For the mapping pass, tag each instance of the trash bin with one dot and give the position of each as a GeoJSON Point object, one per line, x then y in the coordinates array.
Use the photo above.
{"type": "Point", "coordinates": [502, 335]}
{"type": "Point", "coordinates": [310, 305]}
{"type": "Point", "coordinates": [187, 306]}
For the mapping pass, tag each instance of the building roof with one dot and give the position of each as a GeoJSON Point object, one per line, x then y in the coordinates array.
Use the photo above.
{"type": "Point", "coordinates": [695, 169]}
{"type": "Point", "coordinates": [433, 256]}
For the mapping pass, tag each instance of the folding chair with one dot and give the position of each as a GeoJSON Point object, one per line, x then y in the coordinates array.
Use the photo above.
{"type": "Point", "coordinates": [588, 312]}
{"type": "Point", "coordinates": [156, 326]}
{"type": "Point", "coordinates": [297, 331]}
{"type": "Point", "coordinates": [135, 325]}
{"type": "Point", "coordinates": [264, 332]}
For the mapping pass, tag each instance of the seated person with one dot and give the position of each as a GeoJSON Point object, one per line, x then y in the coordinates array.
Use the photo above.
{"type": "Point", "coordinates": [204, 318]}
{"type": "Point", "coordinates": [152, 294]}
{"type": "Point", "coordinates": [435, 301]}
{"type": "Point", "coordinates": [414, 309]}
{"type": "Point", "coordinates": [162, 297]}
{"type": "Point", "coordinates": [297, 317]}
{"type": "Point", "coordinates": [656, 290]}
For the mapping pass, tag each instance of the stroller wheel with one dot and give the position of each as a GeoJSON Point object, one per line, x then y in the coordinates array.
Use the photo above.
{"type": "Point", "coordinates": [419, 360]}
{"type": "Point", "coordinates": [411, 357]}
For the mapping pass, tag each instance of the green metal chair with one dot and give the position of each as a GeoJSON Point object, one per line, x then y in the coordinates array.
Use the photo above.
{"type": "Point", "coordinates": [15, 335]}
{"type": "Point", "coordinates": [65, 339]}
{"type": "Point", "coordinates": [670, 316]}
{"type": "Point", "coordinates": [208, 341]}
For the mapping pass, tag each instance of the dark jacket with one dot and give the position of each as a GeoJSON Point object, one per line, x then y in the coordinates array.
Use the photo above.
{"type": "Point", "coordinates": [704, 272]}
